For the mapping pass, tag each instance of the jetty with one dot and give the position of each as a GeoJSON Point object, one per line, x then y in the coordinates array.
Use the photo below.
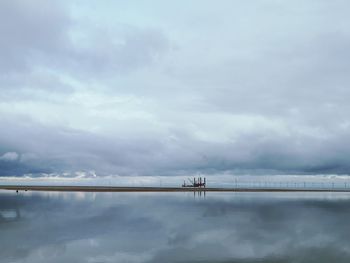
{"type": "Point", "coordinates": [85, 188]}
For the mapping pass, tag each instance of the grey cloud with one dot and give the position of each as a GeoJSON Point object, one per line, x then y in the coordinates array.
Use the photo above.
{"type": "Point", "coordinates": [38, 34]}
{"type": "Point", "coordinates": [44, 39]}
{"type": "Point", "coordinates": [236, 86]}
{"type": "Point", "coordinates": [51, 149]}
{"type": "Point", "coordinates": [30, 30]}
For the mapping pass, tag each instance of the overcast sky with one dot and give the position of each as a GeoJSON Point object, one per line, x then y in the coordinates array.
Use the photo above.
{"type": "Point", "coordinates": [174, 87]}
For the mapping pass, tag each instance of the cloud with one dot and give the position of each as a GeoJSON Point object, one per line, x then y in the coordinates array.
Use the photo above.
{"type": "Point", "coordinates": [45, 50]}
{"type": "Point", "coordinates": [9, 156]}
{"type": "Point", "coordinates": [120, 50]}
{"type": "Point", "coordinates": [29, 31]}
{"type": "Point", "coordinates": [215, 88]}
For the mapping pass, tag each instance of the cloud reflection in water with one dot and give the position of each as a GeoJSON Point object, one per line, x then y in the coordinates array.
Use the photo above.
{"type": "Point", "coordinates": [161, 227]}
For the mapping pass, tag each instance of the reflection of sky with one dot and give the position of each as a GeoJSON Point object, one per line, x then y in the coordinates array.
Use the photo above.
{"type": "Point", "coordinates": [178, 227]}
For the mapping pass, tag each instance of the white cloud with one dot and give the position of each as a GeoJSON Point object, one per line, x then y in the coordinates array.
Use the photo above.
{"type": "Point", "coordinates": [9, 156]}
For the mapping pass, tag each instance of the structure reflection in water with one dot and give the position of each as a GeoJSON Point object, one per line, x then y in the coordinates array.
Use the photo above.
{"type": "Point", "coordinates": [163, 227]}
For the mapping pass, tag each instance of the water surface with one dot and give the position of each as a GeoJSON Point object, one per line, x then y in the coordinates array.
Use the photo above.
{"type": "Point", "coordinates": [174, 227]}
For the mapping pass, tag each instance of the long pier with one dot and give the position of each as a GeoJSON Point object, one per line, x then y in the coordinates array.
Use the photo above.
{"type": "Point", "coordinates": [66, 188]}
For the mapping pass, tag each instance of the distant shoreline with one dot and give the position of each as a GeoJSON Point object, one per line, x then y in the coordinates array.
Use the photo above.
{"type": "Point", "coordinates": [156, 189]}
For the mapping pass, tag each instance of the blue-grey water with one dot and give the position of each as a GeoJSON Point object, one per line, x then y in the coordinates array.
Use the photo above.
{"type": "Point", "coordinates": [174, 227]}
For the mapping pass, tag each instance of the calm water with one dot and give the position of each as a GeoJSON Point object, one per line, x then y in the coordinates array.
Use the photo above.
{"type": "Point", "coordinates": [177, 227]}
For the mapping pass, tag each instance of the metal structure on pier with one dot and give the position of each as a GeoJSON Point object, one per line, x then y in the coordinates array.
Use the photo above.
{"type": "Point", "coordinates": [198, 182]}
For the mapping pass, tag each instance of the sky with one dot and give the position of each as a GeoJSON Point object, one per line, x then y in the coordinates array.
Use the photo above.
{"type": "Point", "coordinates": [174, 87]}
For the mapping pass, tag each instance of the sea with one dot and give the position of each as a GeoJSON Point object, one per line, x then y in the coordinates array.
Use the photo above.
{"type": "Point", "coordinates": [178, 227]}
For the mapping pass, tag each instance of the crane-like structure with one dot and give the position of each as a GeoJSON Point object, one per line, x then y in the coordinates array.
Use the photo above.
{"type": "Point", "coordinates": [199, 182]}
